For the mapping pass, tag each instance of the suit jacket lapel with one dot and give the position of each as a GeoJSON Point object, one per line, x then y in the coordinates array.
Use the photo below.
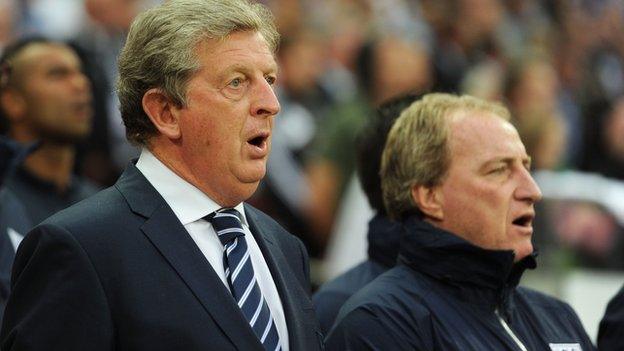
{"type": "Point", "coordinates": [170, 238]}
{"type": "Point", "coordinates": [290, 291]}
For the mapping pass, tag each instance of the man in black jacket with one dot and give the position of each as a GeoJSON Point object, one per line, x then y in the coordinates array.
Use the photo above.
{"type": "Point", "coordinates": [455, 172]}
{"type": "Point", "coordinates": [612, 325]}
{"type": "Point", "coordinates": [383, 234]}
{"type": "Point", "coordinates": [14, 221]}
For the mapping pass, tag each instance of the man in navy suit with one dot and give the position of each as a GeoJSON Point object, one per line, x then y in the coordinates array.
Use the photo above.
{"type": "Point", "coordinates": [140, 265]}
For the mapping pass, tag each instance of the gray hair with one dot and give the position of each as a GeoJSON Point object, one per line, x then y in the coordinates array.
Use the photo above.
{"type": "Point", "coordinates": [417, 151]}
{"type": "Point", "coordinates": [160, 51]}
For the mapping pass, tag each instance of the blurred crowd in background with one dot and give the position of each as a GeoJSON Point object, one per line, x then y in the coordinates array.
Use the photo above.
{"type": "Point", "coordinates": [557, 64]}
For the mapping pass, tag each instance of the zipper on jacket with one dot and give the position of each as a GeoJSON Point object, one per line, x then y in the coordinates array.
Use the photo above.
{"type": "Point", "coordinates": [510, 332]}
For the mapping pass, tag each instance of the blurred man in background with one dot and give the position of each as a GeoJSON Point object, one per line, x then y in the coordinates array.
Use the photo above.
{"type": "Point", "coordinates": [386, 68]}
{"type": "Point", "coordinates": [383, 234]}
{"type": "Point", "coordinates": [46, 99]}
{"type": "Point", "coordinates": [456, 173]}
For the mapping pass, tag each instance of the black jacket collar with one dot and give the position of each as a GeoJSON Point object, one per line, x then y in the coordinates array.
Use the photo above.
{"type": "Point", "coordinates": [384, 237]}
{"type": "Point", "coordinates": [13, 154]}
{"type": "Point", "coordinates": [480, 275]}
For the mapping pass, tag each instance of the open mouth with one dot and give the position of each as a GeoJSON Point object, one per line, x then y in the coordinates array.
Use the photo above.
{"type": "Point", "coordinates": [82, 107]}
{"type": "Point", "coordinates": [524, 221]}
{"type": "Point", "coordinates": [257, 141]}
{"type": "Point", "coordinates": [259, 144]}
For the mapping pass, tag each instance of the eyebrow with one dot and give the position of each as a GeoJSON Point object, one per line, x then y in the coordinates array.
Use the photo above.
{"type": "Point", "coordinates": [60, 68]}
{"type": "Point", "coordinates": [237, 67]}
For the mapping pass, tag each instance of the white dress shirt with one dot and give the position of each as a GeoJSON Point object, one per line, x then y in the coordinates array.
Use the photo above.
{"type": "Point", "coordinates": [190, 205]}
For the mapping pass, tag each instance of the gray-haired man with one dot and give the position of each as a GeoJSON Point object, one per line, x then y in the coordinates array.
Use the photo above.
{"type": "Point", "coordinates": [170, 258]}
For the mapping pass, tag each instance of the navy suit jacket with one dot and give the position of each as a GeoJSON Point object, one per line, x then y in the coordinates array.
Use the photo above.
{"type": "Point", "coordinates": [118, 271]}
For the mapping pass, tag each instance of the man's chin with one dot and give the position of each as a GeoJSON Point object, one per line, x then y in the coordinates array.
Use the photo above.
{"type": "Point", "coordinates": [253, 173]}
{"type": "Point", "coordinates": [523, 252]}
{"type": "Point", "coordinates": [64, 138]}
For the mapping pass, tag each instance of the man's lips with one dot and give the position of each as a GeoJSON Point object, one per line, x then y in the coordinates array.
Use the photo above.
{"type": "Point", "coordinates": [83, 108]}
{"type": "Point", "coordinates": [259, 144]}
{"type": "Point", "coordinates": [524, 222]}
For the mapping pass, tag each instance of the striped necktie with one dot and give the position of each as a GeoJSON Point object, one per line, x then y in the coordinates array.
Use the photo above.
{"type": "Point", "coordinates": [240, 276]}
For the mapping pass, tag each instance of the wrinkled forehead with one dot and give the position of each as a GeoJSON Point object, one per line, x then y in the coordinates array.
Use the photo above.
{"type": "Point", "coordinates": [483, 134]}
{"type": "Point", "coordinates": [207, 41]}
{"type": "Point", "coordinates": [238, 45]}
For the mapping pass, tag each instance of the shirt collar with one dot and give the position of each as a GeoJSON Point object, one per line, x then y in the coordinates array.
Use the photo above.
{"type": "Point", "coordinates": [188, 203]}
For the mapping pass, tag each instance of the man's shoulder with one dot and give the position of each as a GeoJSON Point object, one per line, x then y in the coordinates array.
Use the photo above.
{"type": "Point", "coordinates": [555, 319]}
{"type": "Point", "coordinates": [348, 283]}
{"type": "Point", "coordinates": [540, 300]}
{"type": "Point", "coordinates": [106, 207]}
{"type": "Point", "coordinates": [548, 309]}
{"type": "Point", "coordinates": [390, 292]}
{"type": "Point", "coordinates": [390, 313]}
{"type": "Point", "coordinates": [332, 295]}
{"type": "Point", "coordinates": [104, 226]}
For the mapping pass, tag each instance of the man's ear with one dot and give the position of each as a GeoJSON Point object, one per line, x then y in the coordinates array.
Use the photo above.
{"type": "Point", "coordinates": [429, 201]}
{"type": "Point", "coordinates": [13, 104]}
{"type": "Point", "coordinates": [163, 113]}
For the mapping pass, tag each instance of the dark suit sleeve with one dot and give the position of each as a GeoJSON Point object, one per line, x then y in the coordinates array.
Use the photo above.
{"type": "Point", "coordinates": [611, 332]}
{"type": "Point", "coordinates": [57, 301]}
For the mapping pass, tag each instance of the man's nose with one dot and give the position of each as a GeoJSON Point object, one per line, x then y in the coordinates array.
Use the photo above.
{"type": "Point", "coordinates": [264, 102]}
{"type": "Point", "coordinates": [528, 189]}
{"type": "Point", "coordinates": [81, 82]}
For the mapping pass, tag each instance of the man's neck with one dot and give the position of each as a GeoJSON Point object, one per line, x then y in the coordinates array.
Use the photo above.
{"type": "Point", "coordinates": [52, 163]}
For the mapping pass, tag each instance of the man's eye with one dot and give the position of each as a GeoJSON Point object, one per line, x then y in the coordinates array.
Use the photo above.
{"type": "Point", "coordinates": [271, 80]}
{"type": "Point", "coordinates": [236, 82]}
{"type": "Point", "coordinates": [498, 170]}
{"type": "Point", "coordinates": [58, 73]}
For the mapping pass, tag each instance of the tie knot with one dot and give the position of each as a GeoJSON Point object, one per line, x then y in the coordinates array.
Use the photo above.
{"type": "Point", "coordinates": [227, 224]}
